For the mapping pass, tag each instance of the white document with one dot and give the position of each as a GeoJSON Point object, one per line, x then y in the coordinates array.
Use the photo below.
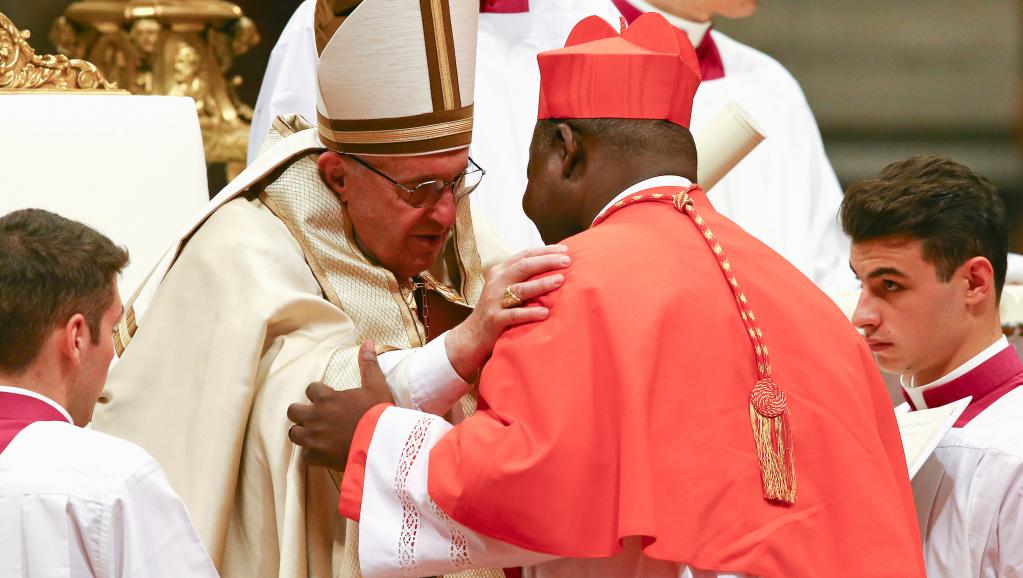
{"type": "Point", "coordinates": [923, 429]}
{"type": "Point", "coordinates": [723, 142]}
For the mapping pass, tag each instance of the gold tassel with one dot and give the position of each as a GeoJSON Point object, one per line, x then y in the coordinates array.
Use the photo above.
{"type": "Point", "coordinates": [768, 408]}
{"type": "Point", "coordinates": [773, 437]}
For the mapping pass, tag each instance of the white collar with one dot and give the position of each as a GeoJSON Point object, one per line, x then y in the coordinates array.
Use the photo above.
{"type": "Point", "coordinates": [695, 30]}
{"type": "Point", "coordinates": [651, 183]}
{"type": "Point", "coordinates": [40, 397]}
{"type": "Point", "coordinates": [916, 392]}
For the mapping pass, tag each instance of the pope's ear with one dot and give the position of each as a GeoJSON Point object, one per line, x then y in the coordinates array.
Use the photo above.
{"type": "Point", "coordinates": [332, 171]}
{"type": "Point", "coordinates": [568, 149]}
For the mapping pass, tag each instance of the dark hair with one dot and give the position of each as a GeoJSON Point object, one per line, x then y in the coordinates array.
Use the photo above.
{"type": "Point", "coordinates": [631, 136]}
{"type": "Point", "coordinates": [50, 269]}
{"type": "Point", "coordinates": [956, 212]}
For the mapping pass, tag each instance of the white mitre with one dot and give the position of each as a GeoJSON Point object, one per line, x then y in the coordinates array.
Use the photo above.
{"type": "Point", "coordinates": [397, 78]}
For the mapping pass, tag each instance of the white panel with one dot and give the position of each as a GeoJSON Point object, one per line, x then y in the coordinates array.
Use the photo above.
{"type": "Point", "coordinates": [132, 167]}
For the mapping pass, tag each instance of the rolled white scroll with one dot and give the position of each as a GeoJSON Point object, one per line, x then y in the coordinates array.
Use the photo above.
{"type": "Point", "coordinates": [723, 142]}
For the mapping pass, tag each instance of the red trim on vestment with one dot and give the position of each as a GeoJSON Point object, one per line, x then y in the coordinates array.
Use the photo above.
{"type": "Point", "coordinates": [987, 383]}
{"type": "Point", "coordinates": [19, 411]}
{"type": "Point", "coordinates": [711, 65]}
{"type": "Point", "coordinates": [350, 502]}
{"type": "Point", "coordinates": [504, 6]}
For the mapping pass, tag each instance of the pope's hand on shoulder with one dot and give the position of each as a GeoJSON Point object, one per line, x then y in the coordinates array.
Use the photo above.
{"type": "Point", "coordinates": [324, 428]}
{"type": "Point", "coordinates": [471, 342]}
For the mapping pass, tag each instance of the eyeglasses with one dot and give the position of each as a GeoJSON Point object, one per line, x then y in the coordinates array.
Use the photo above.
{"type": "Point", "coordinates": [428, 193]}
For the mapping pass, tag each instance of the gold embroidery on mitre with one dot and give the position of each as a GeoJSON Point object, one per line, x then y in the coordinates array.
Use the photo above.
{"type": "Point", "coordinates": [443, 62]}
{"type": "Point", "coordinates": [402, 135]}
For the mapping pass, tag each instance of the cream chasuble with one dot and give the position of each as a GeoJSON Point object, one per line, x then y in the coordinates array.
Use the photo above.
{"type": "Point", "coordinates": [268, 295]}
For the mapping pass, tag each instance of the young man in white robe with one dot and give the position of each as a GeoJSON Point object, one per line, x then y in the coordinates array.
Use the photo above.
{"type": "Point", "coordinates": [73, 502]}
{"type": "Point", "coordinates": [929, 245]}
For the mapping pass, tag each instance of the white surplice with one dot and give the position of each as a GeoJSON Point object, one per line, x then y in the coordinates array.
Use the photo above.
{"type": "Point", "coordinates": [404, 533]}
{"type": "Point", "coordinates": [507, 98]}
{"type": "Point", "coordinates": [289, 83]}
{"type": "Point", "coordinates": [79, 503]}
{"type": "Point", "coordinates": [969, 493]}
{"type": "Point", "coordinates": [785, 192]}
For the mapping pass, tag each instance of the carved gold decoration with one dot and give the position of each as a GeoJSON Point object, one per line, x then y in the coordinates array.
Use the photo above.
{"type": "Point", "coordinates": [22, 69]}
{"type": "Point", "coordinates": [171, 47]}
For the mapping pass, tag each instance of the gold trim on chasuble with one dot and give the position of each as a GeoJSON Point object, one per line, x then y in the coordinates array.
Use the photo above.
{"type": "Point", "coordinates": [125, 330]}
{"type": "Point", "coordinates": [440, 54]}
{"type": "Point", "coordinates": [315, 219]}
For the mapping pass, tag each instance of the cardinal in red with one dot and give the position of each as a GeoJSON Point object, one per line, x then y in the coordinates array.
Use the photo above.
{"type": "Point", "coordinates": [692, 406]}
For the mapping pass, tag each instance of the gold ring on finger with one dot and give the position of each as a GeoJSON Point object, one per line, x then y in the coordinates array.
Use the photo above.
{"type": "Point", "coordinates": [509, 299]}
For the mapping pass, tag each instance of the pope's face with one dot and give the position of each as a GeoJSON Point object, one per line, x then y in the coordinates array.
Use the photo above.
{"type": "Point", "coordinates": [913, 322]}
{"type": "Point", "coordinates": [404, 239]}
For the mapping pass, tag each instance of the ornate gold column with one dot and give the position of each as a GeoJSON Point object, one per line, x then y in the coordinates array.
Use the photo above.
{"type": "Point", "coordinates": [172, 47]}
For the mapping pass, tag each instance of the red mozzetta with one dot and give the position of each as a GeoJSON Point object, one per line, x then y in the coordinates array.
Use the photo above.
{"type": "Point", "coordinates": [624, 413]}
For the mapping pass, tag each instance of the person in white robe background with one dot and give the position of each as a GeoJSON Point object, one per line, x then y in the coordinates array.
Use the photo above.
{"type": "Point", "coordinates": [290, 78]}
{"type": "Point", "coordinates": [785, 192]}
{"type": "Point", "coordinates": [929, 243]}
{"type": "Point", "coordinates": [73, 502]}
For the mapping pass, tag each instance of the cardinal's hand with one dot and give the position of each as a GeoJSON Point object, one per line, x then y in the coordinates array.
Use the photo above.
{"type": "Point", "coordinates": [325, 428]}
